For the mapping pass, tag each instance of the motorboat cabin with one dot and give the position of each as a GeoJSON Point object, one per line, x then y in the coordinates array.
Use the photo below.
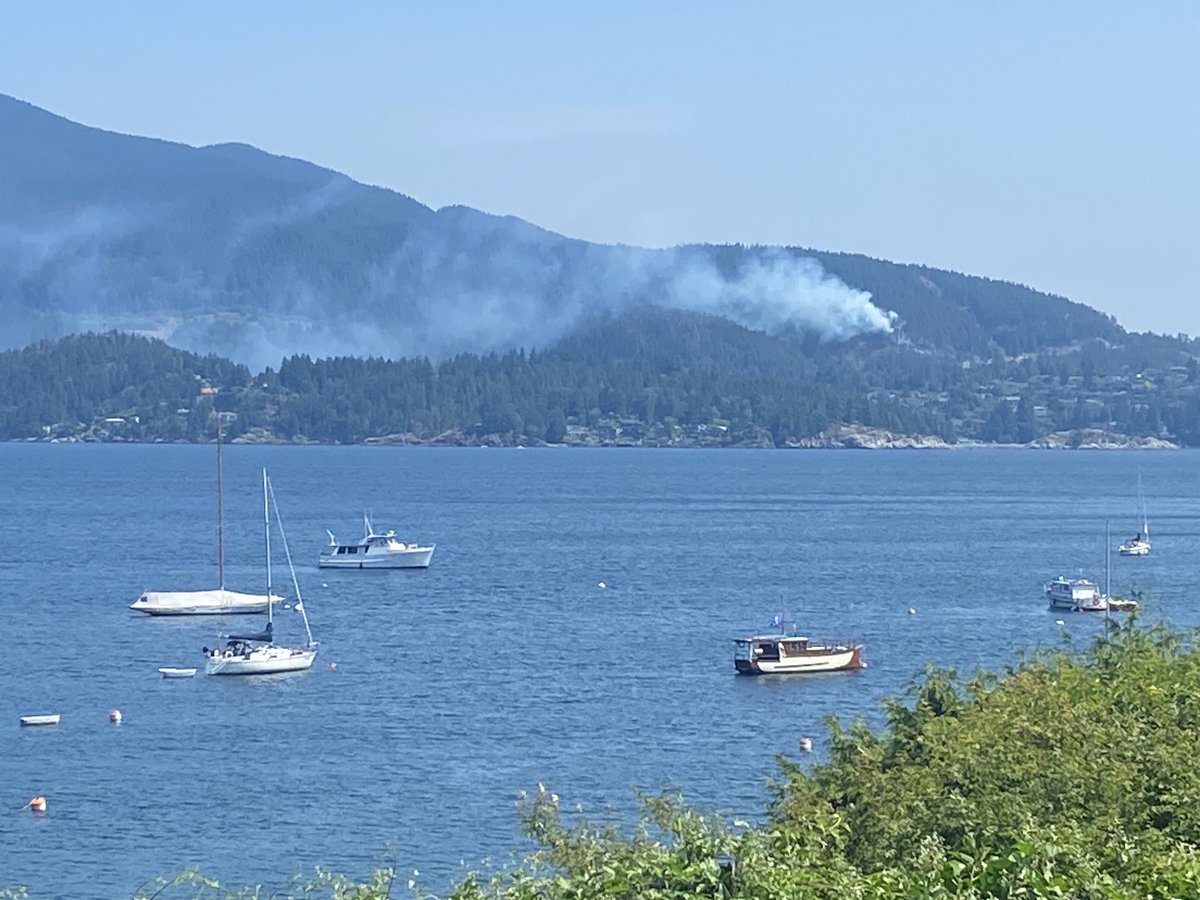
{"type": "Point", "coordinates": [778, 654]}
{"type": "Point", "coordinates": [1075, 595]}
{"type": "Point", "coordinates": [375, 551]}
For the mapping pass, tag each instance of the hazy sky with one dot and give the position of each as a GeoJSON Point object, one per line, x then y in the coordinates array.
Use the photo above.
{"type": "Point", "coordinates": [1053, 144]}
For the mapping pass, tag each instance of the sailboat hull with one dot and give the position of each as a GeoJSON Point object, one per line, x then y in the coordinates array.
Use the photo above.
{"type": "Point", "coordinates": [201, 603]}
{"type": "Point", "coordinates": [260, 661]}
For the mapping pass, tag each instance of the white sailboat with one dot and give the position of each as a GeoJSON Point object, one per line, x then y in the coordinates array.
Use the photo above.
{"type": "Point", "coordinates": [258, 654]}
{"type": "Point", "coordinates": [1139, 544]}
{"type": "Point", "coordinates": [1112, 602]}
{"type": "Point", "coordinates": [218, 601]}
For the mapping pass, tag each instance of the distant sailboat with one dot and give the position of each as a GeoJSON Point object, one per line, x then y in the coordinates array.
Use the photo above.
{"type": "Point", "coordinates": [1139, 544]}
{"type": "Point", "coordinates": [1112, 602]}
{"type": "Point", "coordinates": [258, 654]}
{"type": "Point", "coordinates": [208, 602]}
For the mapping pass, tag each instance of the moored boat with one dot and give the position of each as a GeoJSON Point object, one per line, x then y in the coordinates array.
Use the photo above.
{"type": "Point", "coordinates": [215, 601]}
{"type": "Point", "coordinates": [1075, 595]}
{"type": "Point", "coordinates": [375, 550]}
{"type": "Point", "coordinates": [177, 671]}
{"type": "Point", "coordinates": [780, 654]}
{"type": "Point", "coordinates": [1139, 544]}
{"type": "Point", "coordinates": [1113, 603]}
{"type": "Point", "coordinates": [1117, 603]}
{"type": "Point", "coordinates": [40, 720]}
{"type": "Point", "coordinates": [257, 654]}
{"type": "Point", "coordinates": [218, 601]}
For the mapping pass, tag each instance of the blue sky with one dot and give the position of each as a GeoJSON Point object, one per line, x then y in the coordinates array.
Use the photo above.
{"type": "Point", "coordinates": [1053, 144]}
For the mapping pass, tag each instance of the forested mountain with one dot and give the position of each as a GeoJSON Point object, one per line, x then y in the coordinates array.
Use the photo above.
{"type": "Point", "coordinates": [232, 250]}
{"type": "Point", "coordinates": [373, 317]}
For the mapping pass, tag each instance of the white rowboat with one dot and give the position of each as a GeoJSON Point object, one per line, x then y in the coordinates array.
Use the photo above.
{"type": "Point", "coordinates": [172, 672]}
{"type": "Point", "coordinates": [39, 720]}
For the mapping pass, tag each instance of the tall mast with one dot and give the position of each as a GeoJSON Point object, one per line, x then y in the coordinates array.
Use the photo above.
{"type": "Point", "coordinates": [299, 604]}
{"type": "Point", "coordinates": [1142, 501]}
{"type": "Point", "coordinates": [1107, 568]}
{"type": "Point", "coordinates": [220, 510]}
{"type": "Point", "coordinates": [267, 540]}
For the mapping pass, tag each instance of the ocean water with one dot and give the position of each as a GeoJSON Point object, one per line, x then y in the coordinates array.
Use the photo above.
{"type": "Point", "coordinates": [505, 663]}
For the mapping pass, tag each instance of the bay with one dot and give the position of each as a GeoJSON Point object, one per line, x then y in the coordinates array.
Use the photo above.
{"type": "Point", "coordinates": [506, 663]}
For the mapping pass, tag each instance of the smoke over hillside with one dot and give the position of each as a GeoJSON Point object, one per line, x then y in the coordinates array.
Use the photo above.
{"type": "Point", "coordinates": [288, 279]}
{"type": "Point", "coordinates": [231, 250]}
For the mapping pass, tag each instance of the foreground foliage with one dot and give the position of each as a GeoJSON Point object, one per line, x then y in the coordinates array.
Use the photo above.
{"type": "Point", "coordinates": [1069, 775]}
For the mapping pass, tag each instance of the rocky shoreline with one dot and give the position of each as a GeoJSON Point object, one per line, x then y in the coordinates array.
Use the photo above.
{"type": "Point", "coordinates": [841, 437]}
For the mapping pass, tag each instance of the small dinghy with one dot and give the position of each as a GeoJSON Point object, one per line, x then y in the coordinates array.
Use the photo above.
{"type": "Point", "coordinates": [39, 720]}
{"type": "Point", "coordinates": [171, 672]}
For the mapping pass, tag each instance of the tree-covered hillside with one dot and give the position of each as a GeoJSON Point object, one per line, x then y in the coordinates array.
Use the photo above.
{"type": "Point", "coordinates": [664, 369]}
{"type": "Point", "coordinates": [648, 377]}
{"type": "Point", "coordinates": [258, 257]}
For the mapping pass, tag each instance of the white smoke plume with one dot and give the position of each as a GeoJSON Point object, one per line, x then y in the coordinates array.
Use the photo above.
{"type": "Point", "coordinates": [774, 290]}
{"type": "Point", "coordinates": [457, 281]}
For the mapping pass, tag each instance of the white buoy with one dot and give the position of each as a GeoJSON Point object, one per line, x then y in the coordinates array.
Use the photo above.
{"type": "Point", "coordinates": [323, 584]}
{"type": "Point", "coordinates": [1059, 622]}
{"type": "Point", "coordinates": [114, 716]}
{"type": "Point", "coordinates": [602, 585]}
{"type": "Point", "coordinates": [912, 611]}
{"type": "Point", "coordinates": [805, 744]}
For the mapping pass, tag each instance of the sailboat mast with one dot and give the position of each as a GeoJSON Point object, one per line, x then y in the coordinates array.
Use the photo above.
{"type": "Point", "coordinates": [1142, 501]}
{"type": "Point", "coordinates": [1107, 568]}
{"type": "Point", "coordinates": [220, 512]}
{"type": "Point", "coordinates": [299, 604]}
{"type": "Point", "coordinates": [267, 542]}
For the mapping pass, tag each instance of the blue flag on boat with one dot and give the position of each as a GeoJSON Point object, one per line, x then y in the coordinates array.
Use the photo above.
{"type": "Point", "coordinates": [777, 620]}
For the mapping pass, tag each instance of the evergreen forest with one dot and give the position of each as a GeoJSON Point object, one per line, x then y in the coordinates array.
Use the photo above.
{"type": "Point", "coordinates": [649, 377]}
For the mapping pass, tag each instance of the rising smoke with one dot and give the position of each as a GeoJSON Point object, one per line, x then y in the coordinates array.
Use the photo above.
{"type": "Point", "coordinates": [450, 282]}
{"type": "Point", "coordinates": [775, 290]}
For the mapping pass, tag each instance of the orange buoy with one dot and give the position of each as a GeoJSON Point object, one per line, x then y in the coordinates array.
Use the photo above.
{"type": "Point", "coordinates": [38, 804]}
{"type": "Point", "coordinates": [114, 716]}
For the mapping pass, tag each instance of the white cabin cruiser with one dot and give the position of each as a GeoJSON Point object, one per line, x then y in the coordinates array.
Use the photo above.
{"type": "Point", "coordinates": [780, 654]}
{"type": "Point", "coordinates": [1075, 595]}
{"type": "Point", "coordinates": [375, 551]}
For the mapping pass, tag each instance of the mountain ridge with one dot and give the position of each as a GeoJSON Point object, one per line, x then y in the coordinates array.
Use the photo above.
{"type": "Point", "coordinates": [228, 248]}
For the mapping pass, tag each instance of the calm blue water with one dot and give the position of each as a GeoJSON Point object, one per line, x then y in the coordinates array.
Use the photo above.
{"type": "Point", "coordinates": [504, 664]}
